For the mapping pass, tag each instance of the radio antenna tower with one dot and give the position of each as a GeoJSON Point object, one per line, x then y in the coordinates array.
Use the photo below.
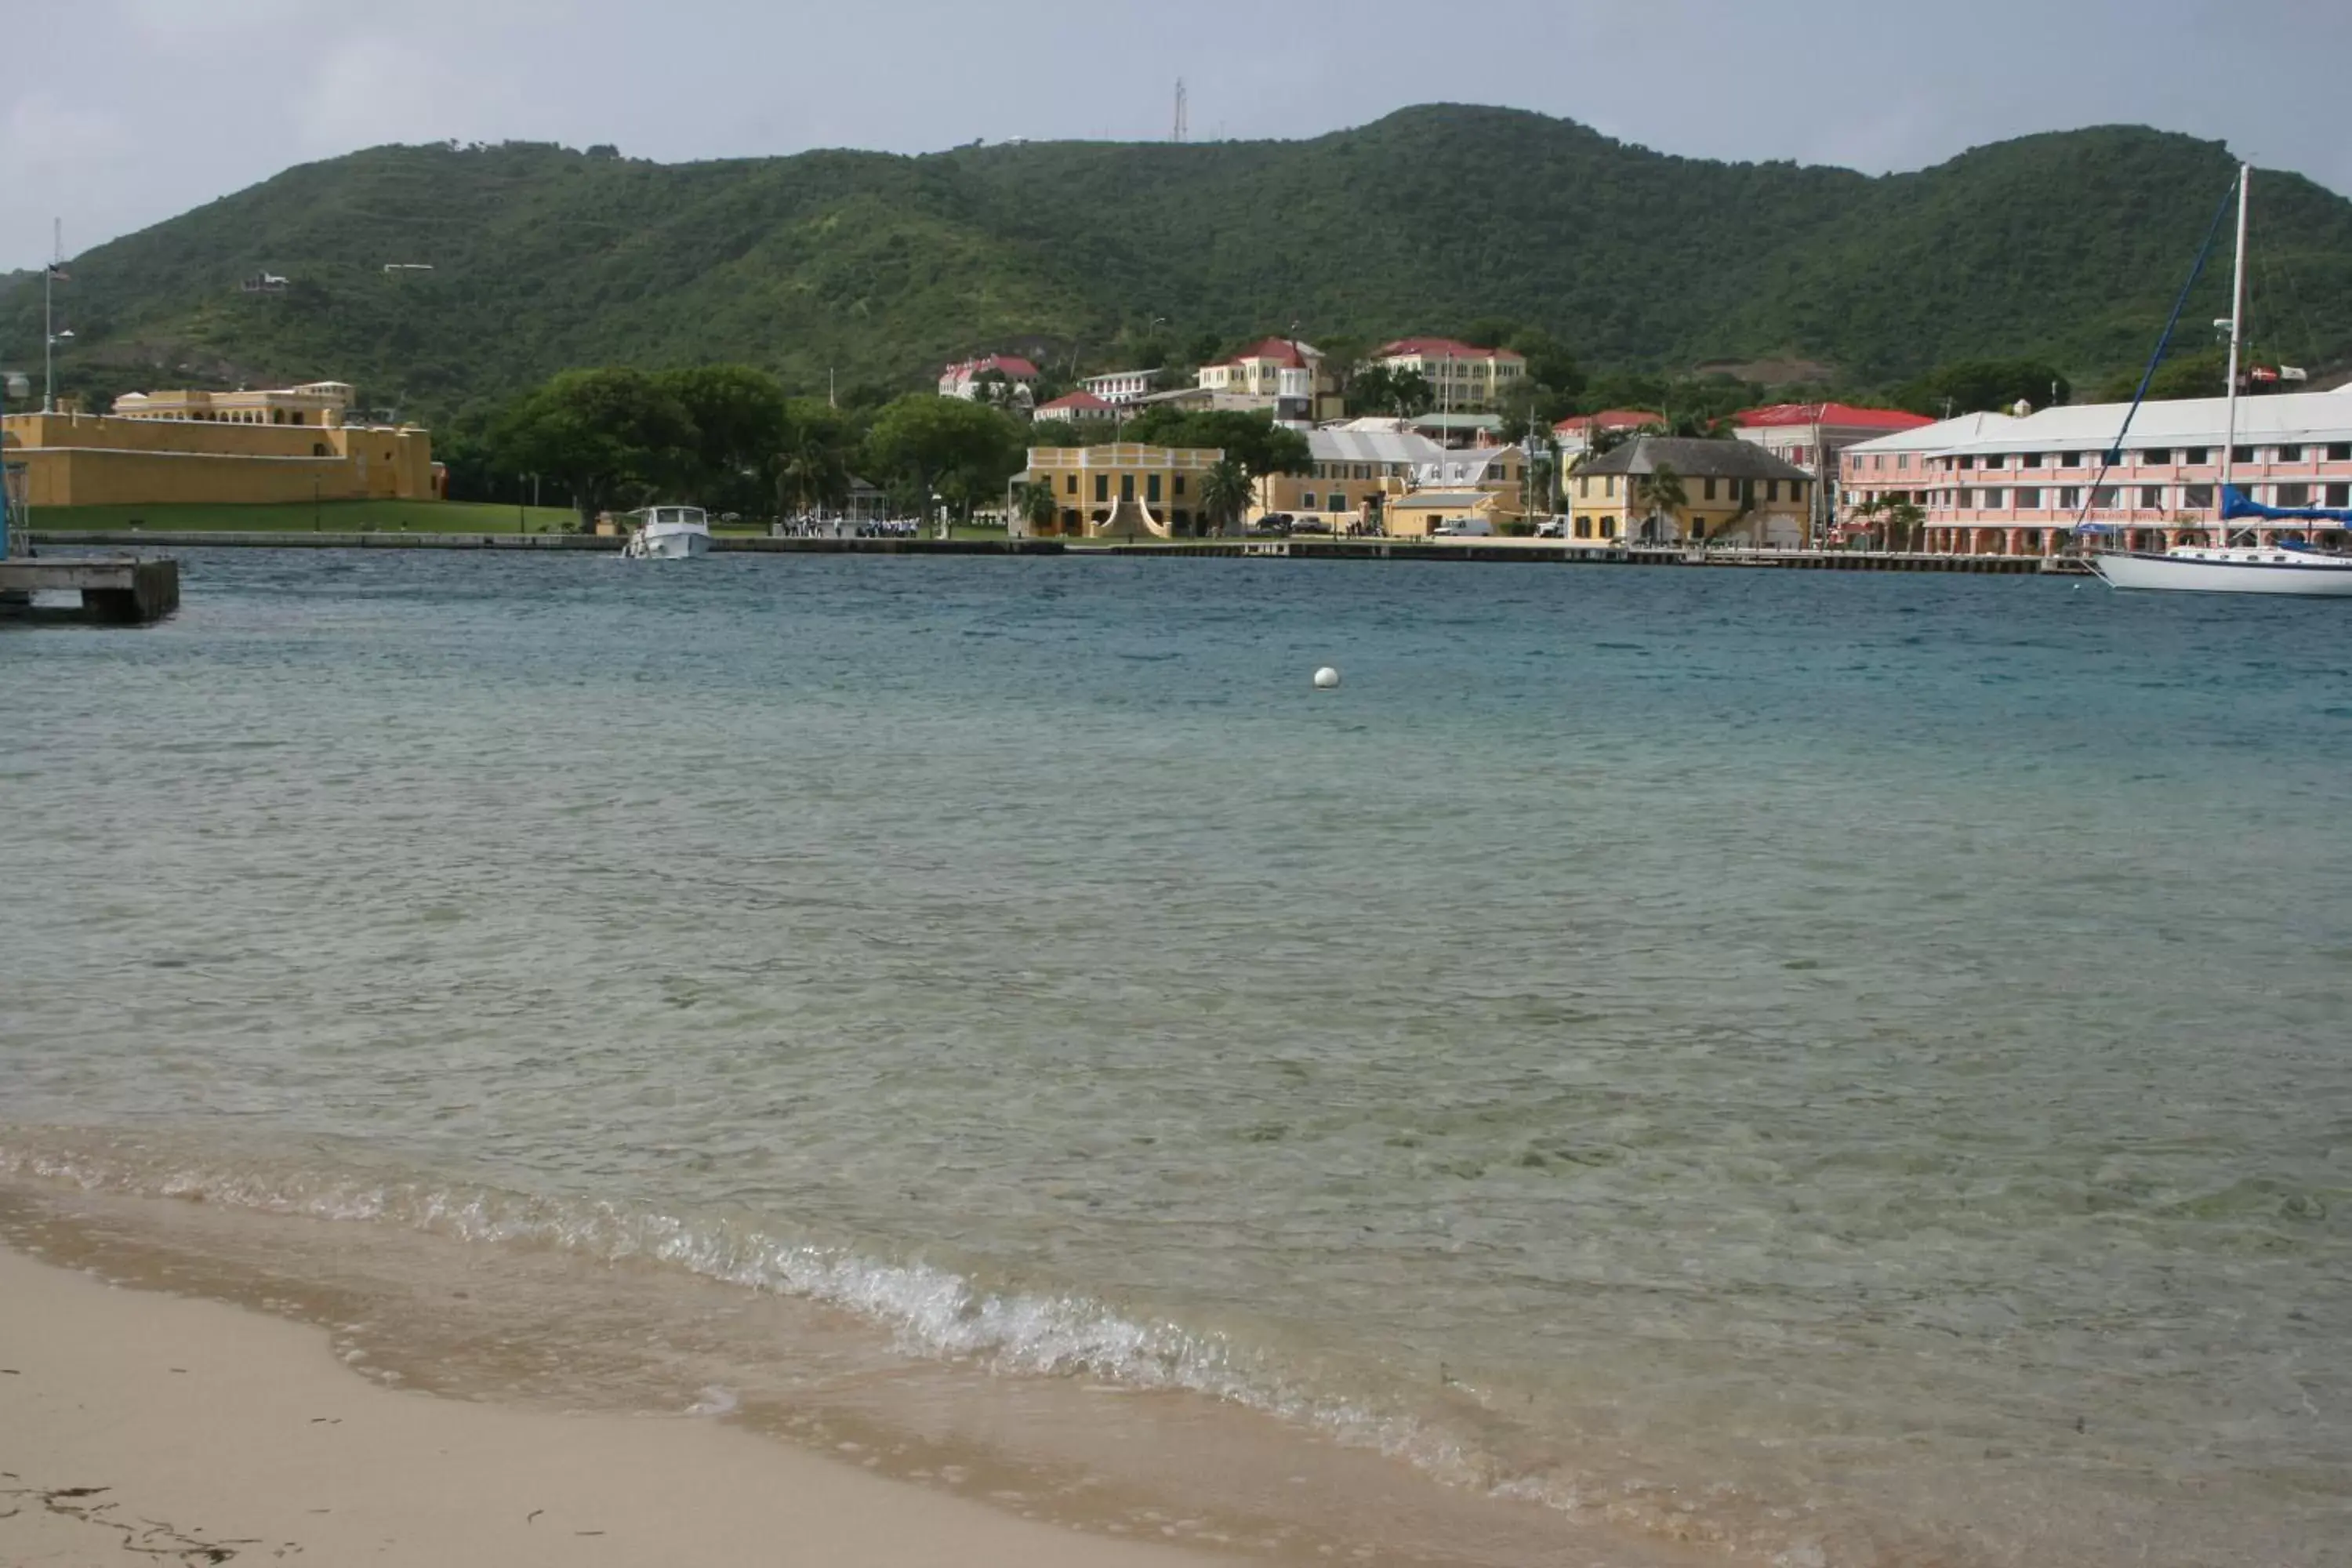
{"type": "Point", "coordinates": [1183, 118]}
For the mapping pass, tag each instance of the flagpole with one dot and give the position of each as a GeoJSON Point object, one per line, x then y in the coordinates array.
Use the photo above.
{"type": "Point", "coordinates": [49, 317]}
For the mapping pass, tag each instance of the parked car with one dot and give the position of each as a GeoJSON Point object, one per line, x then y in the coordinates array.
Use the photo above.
{"type": "Point", "coordinates": [1463, 528]}
{"type": "Point", "coordinates": [1552, 527]}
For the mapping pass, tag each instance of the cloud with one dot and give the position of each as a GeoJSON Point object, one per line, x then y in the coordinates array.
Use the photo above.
{"type": "Point", "coordinates": [203, 97]}
{"type": "Point", "coordinates": [375, 88]}
{"type": "Point", "coordinates": [63, 157]}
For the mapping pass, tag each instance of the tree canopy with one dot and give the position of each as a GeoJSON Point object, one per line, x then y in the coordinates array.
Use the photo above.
{"type": "Point", "coordinates": [1253, 439]}
{"type": "Point", "coordinates": [1985, 386]}
{"type": "Point", "coordinates": [965, 453]}
{"type": "Point", "coordinates": [600, 433]}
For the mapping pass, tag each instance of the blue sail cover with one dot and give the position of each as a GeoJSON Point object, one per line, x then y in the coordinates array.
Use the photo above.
{"type": "Point", "coordinates": [2236, 503]}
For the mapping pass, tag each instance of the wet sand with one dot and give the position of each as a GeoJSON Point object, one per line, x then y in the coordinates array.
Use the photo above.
{"type": "Point", "coordinates": [186, 1430]}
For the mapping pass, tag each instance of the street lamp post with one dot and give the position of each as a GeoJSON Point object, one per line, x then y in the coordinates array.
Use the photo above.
{"type": "Point", "coordinates": [50, 333]}
{"type": "Point", "coordinates": [11, 386]}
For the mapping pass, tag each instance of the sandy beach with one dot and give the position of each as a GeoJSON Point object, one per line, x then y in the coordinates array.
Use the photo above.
{"type": "Point", "coordinates": [142, 1425]}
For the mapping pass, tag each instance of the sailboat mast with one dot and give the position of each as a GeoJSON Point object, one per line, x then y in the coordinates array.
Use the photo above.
{"type": "Point", "coordinates": [2237, 327]}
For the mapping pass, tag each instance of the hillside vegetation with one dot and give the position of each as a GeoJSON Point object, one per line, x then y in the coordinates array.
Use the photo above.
{"type": "Point", "coordinates": [2065, 248]}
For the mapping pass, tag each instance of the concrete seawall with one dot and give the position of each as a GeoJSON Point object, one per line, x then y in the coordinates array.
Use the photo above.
{"type": "Point", "coordinates": [292, 539]}
{"type": "Point", "coordinates": [1473, 550]}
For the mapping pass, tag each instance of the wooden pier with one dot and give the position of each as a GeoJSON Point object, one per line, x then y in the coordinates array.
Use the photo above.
{"type": "Point", "coordinates": [116, 591]}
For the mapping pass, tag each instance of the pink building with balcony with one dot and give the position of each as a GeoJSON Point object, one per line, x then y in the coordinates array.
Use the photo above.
{"type": "Point", "coordinates": [1995, 484]}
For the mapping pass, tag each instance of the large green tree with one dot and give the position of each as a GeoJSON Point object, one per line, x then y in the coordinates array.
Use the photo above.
{"type": "Point", "coordinates": [1260, 445]}
{"type": "Point", "coordinates": [1037, 505]}
{"type": "Point", "coordinates": [739, 423]}
{"type": "Point", "coordinates": [1392, 393]}
{"type": "Point", "coordinates": [929, 446]}
{"type": "Point", "coordinates": [600, 434]}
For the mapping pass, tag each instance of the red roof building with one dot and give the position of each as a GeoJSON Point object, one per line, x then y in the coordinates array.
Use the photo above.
{"type": "Point", "coordinates": [1283, 352]}
{"type": "Point", "coordinates": [1281, 375]}
{"type": "Point", "coordinates": [1840, 415]}
{"type": "Point", "coordinates": [959, 380]}
{"type": "Point", "coordinates": [1439, 349]}
{"type": "Point", "coordinates": [1812, 435]}
{"type": "Point", "coordinates": [1577, 432]}
{"type": "Point", "coordinates": [1466, 379]}
{"type": "Point", "coordinates": [1079, 406]}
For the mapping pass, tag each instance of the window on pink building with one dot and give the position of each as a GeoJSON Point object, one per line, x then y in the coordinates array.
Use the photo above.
{"type": "Point", "coordinates": [2152, 496]}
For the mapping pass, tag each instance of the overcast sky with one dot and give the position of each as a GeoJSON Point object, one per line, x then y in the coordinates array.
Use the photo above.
{"type": "Point", "coordinates": [116, 114]}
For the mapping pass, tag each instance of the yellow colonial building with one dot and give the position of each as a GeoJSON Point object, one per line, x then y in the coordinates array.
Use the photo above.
{"type": "Point", "coordinates": [1120, 488]}
{"type": "Point", "coordinates": [1461, 378]}
{"type": "Point", "coordinates": [221, 447]}
{"type": "Point", "coordinates": [1733, 491]}
{"type": "Point", "coordinates": [1282, 375]}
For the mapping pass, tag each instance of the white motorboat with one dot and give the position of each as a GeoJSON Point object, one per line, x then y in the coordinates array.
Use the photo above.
{"type": "Point", "coordinates": [2219, 567]}
{"type": "Point", "coordinates": [668, 534]}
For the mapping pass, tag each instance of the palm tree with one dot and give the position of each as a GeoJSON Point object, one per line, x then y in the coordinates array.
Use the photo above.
{"type": "Point", "coordinates": [1227, 492]}
{"type": "Point", "coordinates": [1660, 491]}
{"type": "Point", "coordinates": [810, 472]}
{"type": "Point", "coordinates": [1036, 505]}
{"type": "Point", "coordinates": [1904, 520]}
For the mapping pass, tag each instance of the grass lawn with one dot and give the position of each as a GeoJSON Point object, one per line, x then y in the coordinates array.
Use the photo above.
{"type": "Point", "coordinates": [329, 517]}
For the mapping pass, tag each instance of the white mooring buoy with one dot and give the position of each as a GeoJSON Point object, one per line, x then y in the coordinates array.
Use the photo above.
{"type": "Point", "coordinates": [1326, 678]}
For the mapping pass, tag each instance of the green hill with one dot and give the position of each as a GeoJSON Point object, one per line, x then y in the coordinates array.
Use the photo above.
{"type": "Point", "coordinates": [2067, 247]}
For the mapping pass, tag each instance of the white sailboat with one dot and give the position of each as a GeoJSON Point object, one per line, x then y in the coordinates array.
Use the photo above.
{"type": "Point", "coordinates": [2219, 567]}
{"type": "Point", "coordinates": [669, 533]}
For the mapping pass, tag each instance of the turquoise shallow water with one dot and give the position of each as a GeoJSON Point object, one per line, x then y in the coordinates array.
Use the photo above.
{"type": "Point", "coordinates": [1861, 1063]}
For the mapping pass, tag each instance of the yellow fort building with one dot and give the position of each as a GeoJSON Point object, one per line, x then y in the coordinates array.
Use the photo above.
{"type": "Point", "coordinates": [220, 448]}
{"type": "Point", "coordinates": [1120, 490]}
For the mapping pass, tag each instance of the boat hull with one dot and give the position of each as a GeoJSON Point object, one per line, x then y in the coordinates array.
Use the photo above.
{"type": "Point", "coordinates": [2308, 577]}
{"type": "Point", "coordinates": [669, 544]}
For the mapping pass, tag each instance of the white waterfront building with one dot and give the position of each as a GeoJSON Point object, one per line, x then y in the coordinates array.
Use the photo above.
{"type": "Point", "coordinates": [1121, 387]}
{"type": "Point", "coordinates": [1997, 484]}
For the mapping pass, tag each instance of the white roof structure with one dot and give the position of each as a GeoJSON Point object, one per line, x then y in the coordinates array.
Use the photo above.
{"type": "Point", "coordinates": [1465, 466]}
{"type": "Point", "coordinates": [2309, 417]}
{"type": "Point", "coordinates": [1354, 444]}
